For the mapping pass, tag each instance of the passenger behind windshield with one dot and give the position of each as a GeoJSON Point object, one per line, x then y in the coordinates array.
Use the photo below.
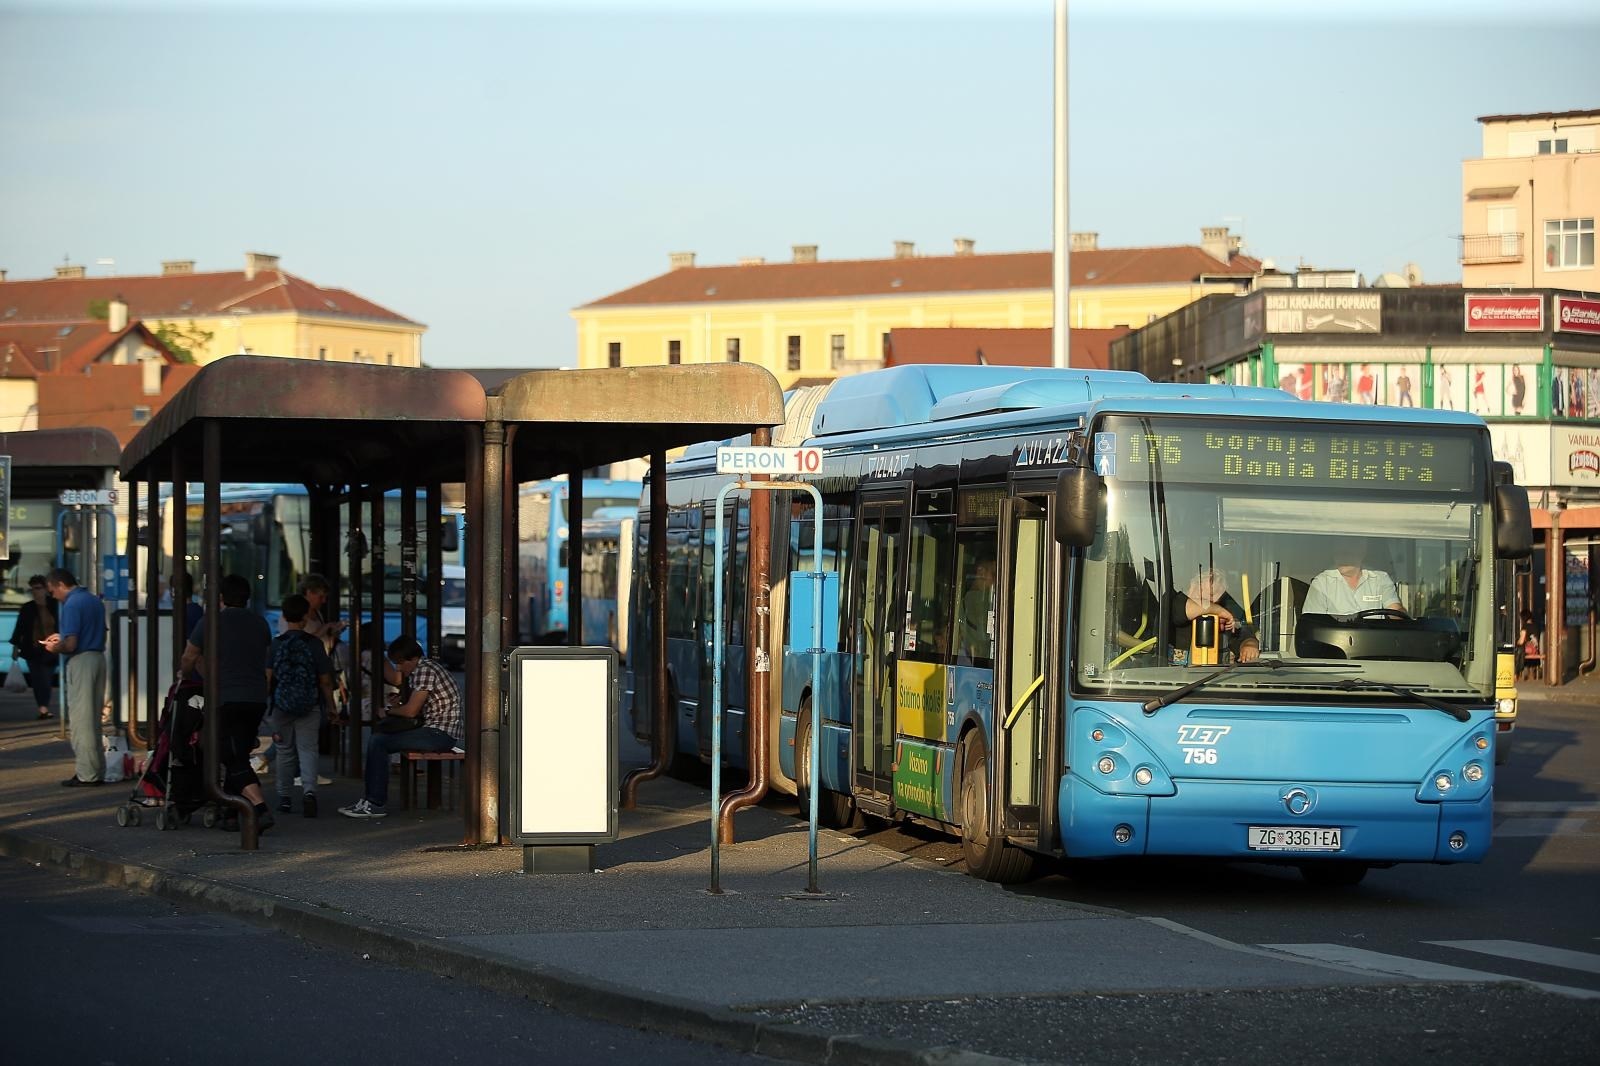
{"type": "Point", "coordinates": [1208, 596]}
{"type": "Point", "coordinates": [1349, 588]}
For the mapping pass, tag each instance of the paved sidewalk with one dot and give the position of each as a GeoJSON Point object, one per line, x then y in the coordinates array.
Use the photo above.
{"type": "Point", "coordinates": [640, 941]}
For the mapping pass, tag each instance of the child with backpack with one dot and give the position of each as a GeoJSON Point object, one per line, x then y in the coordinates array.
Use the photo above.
{"type": "Point", "coordinates": [300, 676]}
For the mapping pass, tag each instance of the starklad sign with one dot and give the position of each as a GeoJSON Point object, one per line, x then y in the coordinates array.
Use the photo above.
{"type": "Point", "coordinates": [769, 460]}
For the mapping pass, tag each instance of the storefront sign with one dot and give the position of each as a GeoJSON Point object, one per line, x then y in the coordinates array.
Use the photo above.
{"type": "Point", "coordinates": [1324, 311]}
{"type": "Point", "coordinates": [1575, 455]}
{"type": "Point", "coordinates": [1574, 314]}
{"type": "Point", "coordinates": [1488, 313]}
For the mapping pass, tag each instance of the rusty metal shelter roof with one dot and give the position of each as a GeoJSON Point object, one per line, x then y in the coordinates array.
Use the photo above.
{"type": "Point", "coordinates": [44, 461]}
{"type": "Point", "coordinates": [314, 422]}
{"type": "Point", "coordinates": [575, 419]}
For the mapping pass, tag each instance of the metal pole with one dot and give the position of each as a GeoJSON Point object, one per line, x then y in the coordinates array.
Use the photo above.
{"type": "Point", "coordinates": [352, 547]}
{"type": "Point", "coordinates": [758, 664]}
{"type": "Point", "coordinates": [1060, 351]}
{"type": "Point", "coordinates": [472, 794]}
{"type": "Point", "coordinates": [662, 740]}
{"type": "Point", "coordinates": [716, 674]}
{"type": "Point", "coordinates": [378, 639]}
{"type": "Point", "coordinates": [575, 557]}
{"type": "Point", "coordinates": [493, 608]}
{"type": "Point", "coordinates": [717, 647]}
{"type": "Point", "coordinates": [435, 527]}
{"type": "Point", "coordinates": [408, 558]}
{"type": "Point", "coordinates": [131, 652]}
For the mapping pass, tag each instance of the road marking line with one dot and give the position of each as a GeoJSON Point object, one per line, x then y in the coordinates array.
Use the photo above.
{"type": "Point", "coordinates": [1418, 968]}
{"type": "Point", "coordinates": [1540, 827]}
{"type": "Point", "coordinates": [1536, 953]}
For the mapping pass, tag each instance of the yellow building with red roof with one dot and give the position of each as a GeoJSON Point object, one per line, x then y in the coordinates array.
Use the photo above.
{"type": "Point", "coordinates": [810, 319]}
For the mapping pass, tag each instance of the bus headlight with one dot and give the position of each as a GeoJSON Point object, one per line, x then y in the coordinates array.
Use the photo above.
{"type": "Point", "coordinates": [1442, 782]}
{"type": "Point", "coordinates": [1473, 771]}
{"type": "Point", "coordinates": [1143, 775]}
{"type": "Point", "coordinates": [1106, 764]}
{"type": "Point", "coordinates": [1507, 706]}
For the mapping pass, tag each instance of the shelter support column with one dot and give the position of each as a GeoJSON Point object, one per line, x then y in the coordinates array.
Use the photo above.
{"type": "Point", "coordinates": [492, 631]}
{"type": "Point", "coordinates": [758, 639]}
{"type": "Point", "coordinates": [355, 548]}
{"type": "Point", "coordinates": [152, 607]}
{"type": "Point", "coordinates": [662, 737]}
{"type": "Point", "coordinates": [131, 651]}
{"type": "Point", "coordinates": [511, 636]}
{"type": "Point", "coordinates": [434, 534]}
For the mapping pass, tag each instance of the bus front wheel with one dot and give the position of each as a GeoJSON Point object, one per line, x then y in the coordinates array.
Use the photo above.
{"type": "Point", "coordinates": [834, 810]}
{"type": "Point", "coordinates": [988, 856]}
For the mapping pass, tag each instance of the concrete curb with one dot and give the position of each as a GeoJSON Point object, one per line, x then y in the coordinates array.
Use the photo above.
{"type": "Point", "coordinates": [558, 989]}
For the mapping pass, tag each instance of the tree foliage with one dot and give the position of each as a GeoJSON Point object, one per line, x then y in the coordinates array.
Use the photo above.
{"type": "Point", "coordinates": [183, 341]}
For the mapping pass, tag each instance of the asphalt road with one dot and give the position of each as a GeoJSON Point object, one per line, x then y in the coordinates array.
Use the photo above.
{"type": "Point", "coordinates": [1535, 898]}
{"type": "Point", "coordinates": [97, 975]}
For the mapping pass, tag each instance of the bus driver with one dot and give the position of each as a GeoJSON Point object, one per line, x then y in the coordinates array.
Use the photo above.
{"type": "Point", "coordinates": [1348, 588]}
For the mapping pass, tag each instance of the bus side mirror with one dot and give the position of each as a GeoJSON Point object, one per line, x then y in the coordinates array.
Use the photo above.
{"type": "Point", "coordinates": [69, 533]}
{"type": "Point", "coordinates": [1513, 522]}
{"type": "Point", "coordinates": [449, 538]}
{"type": "Point", "coordinates": [1078, 494]}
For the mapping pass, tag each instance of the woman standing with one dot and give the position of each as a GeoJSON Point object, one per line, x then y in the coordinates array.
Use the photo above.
{"type": "Point", "coordinates": [35, 621]}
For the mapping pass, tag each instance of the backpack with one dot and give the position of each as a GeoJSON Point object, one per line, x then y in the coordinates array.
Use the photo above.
{"type": "Point", "coordinates": [296, 689]}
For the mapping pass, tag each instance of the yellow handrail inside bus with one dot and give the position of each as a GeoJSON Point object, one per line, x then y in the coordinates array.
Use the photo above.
{"type": "Point", "coordinates": [1016, 708]}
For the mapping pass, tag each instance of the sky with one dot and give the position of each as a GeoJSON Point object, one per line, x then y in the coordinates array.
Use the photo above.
{"type": "Point", "coordinates": [486, 167]}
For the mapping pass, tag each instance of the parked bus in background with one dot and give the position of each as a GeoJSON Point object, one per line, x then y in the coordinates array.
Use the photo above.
{"type": "Point", "coordinates": [607, 573]}
{"type": "Point", "coordinates": [543, 523]}
{"type": "Point", "coordinates": [266, 536]}
{"type": "Point", "coordinates": [1087, 615]}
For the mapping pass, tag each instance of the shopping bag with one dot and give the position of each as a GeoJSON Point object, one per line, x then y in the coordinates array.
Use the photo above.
{"type": "Point", "coordinates": [15, 682]}
{"type": "Point", "coordinates": [116, 760]}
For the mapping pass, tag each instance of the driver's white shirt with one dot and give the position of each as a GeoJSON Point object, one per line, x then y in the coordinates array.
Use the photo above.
{"type": "Point", "coordinates": [1330, 593]}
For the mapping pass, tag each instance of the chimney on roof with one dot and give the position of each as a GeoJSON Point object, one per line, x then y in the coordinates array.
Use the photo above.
{"type": "Point", "coordinates": [67, 271]}
{"type": "Point", "coordinates": [150, 376]}
{"type": "Point", "coordinates": [1083, 242]}
{"type": "Point", "coordinates": [1215, 243]}
{"type": "Point", "coordinates": [965, 245]}
{"type": "Point", "coordinates": [257, 262]}
{"type": "Point", "coordinates": [2, 275]}
{"type": "Point", "coordinates": [904, 249]}
{"type": "Point", "coordinates": [679, 260]}
{"type": "Point", "coordinates": [805, 253]}
{"type": "Point", "coordinates": [116, 314]}
{"type": "Point", "coordinates": [752, 260]}
{"type": "Point", "coordinates": [174, 267]}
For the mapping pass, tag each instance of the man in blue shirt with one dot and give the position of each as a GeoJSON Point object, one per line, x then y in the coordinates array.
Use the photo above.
{"type": "Point", "coordinates": [81, 642]}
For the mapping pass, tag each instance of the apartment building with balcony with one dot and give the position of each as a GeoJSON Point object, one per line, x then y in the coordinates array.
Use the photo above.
{"type": "Point", "coordinates": [811, 320]}
{"type": "Point", "coordinates": [1529, 203]}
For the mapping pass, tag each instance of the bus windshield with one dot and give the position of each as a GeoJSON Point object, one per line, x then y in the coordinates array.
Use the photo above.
{"type": "Point", "coordinates": [1322, 553]}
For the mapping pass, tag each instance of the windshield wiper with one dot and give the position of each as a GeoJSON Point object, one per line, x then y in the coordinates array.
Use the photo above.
{"type": "Point", "coordinates": [1351, 683]}
{"type": "Point", "coordinates": [1152, 706]}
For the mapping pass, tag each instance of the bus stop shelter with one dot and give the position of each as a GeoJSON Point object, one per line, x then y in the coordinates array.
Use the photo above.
{"type": "Point", "coordinates": [351, 432]}
{"type": "Point", "coordinates": [47, 462]}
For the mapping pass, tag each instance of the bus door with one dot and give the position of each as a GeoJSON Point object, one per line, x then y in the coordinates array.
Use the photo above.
{"type": "Point", "coordinates": [879, 563]}
{"type": "Point", "coordinates": [1025, 667]}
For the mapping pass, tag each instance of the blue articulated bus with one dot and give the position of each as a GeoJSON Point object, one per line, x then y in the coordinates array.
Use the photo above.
{"type": "Point", "coordinates": [1087, 615]}
{"type": "Point", "coordinates": [543, 523]}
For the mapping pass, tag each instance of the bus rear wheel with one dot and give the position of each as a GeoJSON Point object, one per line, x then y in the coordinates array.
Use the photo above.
{"type": "Point", "coordinates": [988, 856]}
{"type": "Point", "coordinates": [834, 810]}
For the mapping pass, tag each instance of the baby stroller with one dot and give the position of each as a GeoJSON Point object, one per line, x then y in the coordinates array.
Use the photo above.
{"type": "Point", "coordinates": [173, 777]}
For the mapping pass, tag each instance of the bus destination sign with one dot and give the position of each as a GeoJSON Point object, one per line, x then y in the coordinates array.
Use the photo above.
{"type": "Point", "coordinates": [1368, 457]}
{"type": "Point", "coordinates": [757, 460]}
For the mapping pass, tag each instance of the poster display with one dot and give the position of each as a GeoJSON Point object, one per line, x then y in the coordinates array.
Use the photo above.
{"type": "Point", "coordinates": [1488, 390]}
{"type": "Point", "coordinates": [1522, 389]}
{"type": "Point", "coordinates": [1450, 384]}
{"type": "Point", "coordinates": [1404, 384]}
